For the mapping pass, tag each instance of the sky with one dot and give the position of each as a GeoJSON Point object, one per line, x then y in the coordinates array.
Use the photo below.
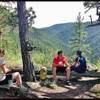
{"type": "Point", "coordinates": [50, 13]}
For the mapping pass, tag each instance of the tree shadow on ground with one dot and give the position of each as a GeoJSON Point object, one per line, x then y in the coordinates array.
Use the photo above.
{"type": "Point", "coordinates": [83, 86]}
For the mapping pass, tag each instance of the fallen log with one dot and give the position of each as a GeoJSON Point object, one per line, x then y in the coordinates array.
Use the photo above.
{"type": "Point", "coordinates": [91, 73]}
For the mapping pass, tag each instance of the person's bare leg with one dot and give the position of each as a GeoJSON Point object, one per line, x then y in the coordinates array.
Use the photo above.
{"type": "Point", "coordinates": [54, 73]}
{"type": "Point", "coordinates": [17, 77]}
{"type": "Point", "coordinates": [68, 73]}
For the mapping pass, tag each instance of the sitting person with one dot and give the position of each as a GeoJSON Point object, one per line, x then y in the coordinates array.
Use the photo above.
{"type": "Point", "coordinates": [60, 63]}
{"type": "Point", "coordinates": [8, 75]}
{"type": "Point", "coordinates": [79, 65]}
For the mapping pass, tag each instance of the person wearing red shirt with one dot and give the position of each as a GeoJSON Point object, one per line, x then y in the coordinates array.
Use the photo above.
{"type": "Point", "coordinates": [60, 63]}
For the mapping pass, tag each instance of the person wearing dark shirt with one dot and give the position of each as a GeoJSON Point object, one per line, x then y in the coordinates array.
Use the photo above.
{"type": "Point", "coordinates": [79, 65]}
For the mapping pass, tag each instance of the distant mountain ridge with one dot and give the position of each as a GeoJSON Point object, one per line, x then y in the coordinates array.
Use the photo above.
{"type": "Point", "coordinates": [60, 34]}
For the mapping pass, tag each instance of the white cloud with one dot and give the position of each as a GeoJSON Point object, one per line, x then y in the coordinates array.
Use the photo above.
{"type": "Point", "coordinates": [50, 13]}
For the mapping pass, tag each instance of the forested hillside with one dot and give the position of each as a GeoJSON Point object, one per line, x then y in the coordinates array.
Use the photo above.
{"type": "Point", "coordinates": [60, 34]}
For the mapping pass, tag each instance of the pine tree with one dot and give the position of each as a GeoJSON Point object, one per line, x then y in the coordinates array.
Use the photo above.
{"type": "Point", "coordinates": [78, 41]}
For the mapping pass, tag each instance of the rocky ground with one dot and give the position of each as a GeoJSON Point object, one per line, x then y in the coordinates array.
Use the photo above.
{"type": "Point", "coordinates": [87, 87]}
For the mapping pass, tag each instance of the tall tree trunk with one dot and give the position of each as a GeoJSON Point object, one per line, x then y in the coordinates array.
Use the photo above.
{"type": "Point", "coordinates": [23, 30]}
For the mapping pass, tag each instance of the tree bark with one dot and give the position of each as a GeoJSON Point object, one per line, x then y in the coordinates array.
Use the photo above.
{"type": "Point", "coordinates": [23, 30]}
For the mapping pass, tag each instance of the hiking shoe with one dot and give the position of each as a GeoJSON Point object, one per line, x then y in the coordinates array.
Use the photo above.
{"type": "Point", "coordinates": [68, 83]}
